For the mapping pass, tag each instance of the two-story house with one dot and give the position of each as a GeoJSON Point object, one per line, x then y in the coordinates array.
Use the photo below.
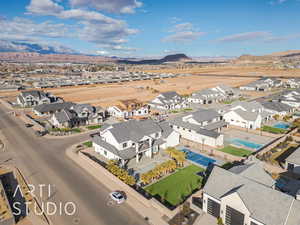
{"type": "Point", "coordinates": [133, 139]}
{"type": "Point", "coordinates": [168, 101]}
{"type": "Point", "coordinates": [129, 108]}
{"type": "Point", "coordinates": [78, 115]}
{"type": "Point", "coordinates": [203, 127]}
{"type": "Point", "coordinates": [34, 98]}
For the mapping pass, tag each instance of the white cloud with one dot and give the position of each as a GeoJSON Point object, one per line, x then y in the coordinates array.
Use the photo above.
{"type": "Point", "coordinates": [114, 6]}
{"type": "Point", "coordinates": [25, 29]}
{"type": "Point", "coordinates": [46, 7]}
{"type": "Point", "coordinates": [183, 32]}
{"type": "Point", "coordinates": [248, 36]}
{"type": "Point", "coordinates": [93, 26]}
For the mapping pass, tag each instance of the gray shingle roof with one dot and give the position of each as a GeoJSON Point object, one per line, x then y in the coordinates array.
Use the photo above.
{"type": "Point", "coordinates": [53, 107]}
{"type": "Point", "coordinates": [205, 115]}
{"type": "Point", "coordinates": [294, 157]}
{"type": "Point", "coordinates": [169, 94]}
{"type": "Point", "coordinates": [265, 204]}
{"type": "Point", "coordinates": [251, 116]}
{"type": "Point", "coordinates": [277, 106]}
{"type": "Point", "coordinates": [134, 130]}
{"type": "Point", "coordinates": [255, 172]}
{"type": "Point", "coordinates": [65, 116]}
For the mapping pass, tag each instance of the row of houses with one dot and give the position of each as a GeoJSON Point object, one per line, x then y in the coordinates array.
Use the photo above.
{"type": "Point", "coordinates": [262, 84]}
{"type": "Point", "coordinates": [212, 95]}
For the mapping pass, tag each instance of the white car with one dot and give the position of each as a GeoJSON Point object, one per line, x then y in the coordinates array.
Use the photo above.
{"type": "Point", "coordinates": [117, 196]}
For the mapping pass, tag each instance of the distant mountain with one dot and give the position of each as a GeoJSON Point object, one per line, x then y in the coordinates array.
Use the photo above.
{"type": "Point", "coordinates": [52, 58]}
{"type": "Point", "coordinates": [14, 46]}
{"type": "Point", "coordinates": [168, 58]}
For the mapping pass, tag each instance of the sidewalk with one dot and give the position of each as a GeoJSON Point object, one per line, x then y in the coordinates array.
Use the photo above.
{"type": "Point", "coordinates": [155, 217]}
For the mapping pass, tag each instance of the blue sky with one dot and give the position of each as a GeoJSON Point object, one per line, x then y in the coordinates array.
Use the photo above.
{"type": "Point", "coordinates": [153, 27]}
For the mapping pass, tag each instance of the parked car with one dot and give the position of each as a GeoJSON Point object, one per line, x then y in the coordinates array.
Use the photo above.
{"type": "Point", "coordinates": [117, 197]}
{"type": "Point", "coordinates": [40, 133]}
{"type": "Point", "coordinates": [28, 125]}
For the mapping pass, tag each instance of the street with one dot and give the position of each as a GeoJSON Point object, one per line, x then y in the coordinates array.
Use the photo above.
{"type": "Point", "coordinates": [43, 161]}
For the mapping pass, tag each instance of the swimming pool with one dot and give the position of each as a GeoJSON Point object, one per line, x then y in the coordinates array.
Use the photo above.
{"type": "Point", "coordinates": [198, 158]}
{"type": "Point", "coordinates": [244, 143]}
{"type": "Point", "coordinates": [282, 125]}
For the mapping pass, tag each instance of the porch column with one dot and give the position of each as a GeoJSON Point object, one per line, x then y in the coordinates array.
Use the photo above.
{"type": "Point", "coordinates": [151, 148]}
{"type": "Point", "coordinates": [137, 152]}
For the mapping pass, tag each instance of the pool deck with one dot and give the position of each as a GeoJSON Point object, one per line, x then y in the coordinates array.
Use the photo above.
{"type": "Point", "coordinates": [218, 161]}
{"type": "Point", "coordinates": [246, 136]}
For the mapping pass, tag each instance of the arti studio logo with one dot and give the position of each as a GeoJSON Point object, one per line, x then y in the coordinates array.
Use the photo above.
{"type": "Point", "coordinates": [48, 207]}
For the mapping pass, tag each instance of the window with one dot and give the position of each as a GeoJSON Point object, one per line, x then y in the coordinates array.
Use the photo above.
{"type": "Point", "coordinates": [125, 145]}
{"type": "Point", "coordinates": [105, 152]}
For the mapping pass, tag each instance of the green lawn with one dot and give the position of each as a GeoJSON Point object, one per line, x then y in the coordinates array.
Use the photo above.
{"type": "Point", "coordinates": [88, 144]}
{"type": "Point", "coordinates": [235, 151]}
{"type": "Point", "coordinates": [93, 127]}
{"type": "Point", "coordinates": [273, 130]}
{"type": "Point", "coordinates": [176, 187]}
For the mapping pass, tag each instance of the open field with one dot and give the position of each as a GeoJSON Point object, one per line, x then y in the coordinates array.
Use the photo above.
{"type": "Point", "coordinates": [234, 70]}
{"type": "Point", "coordinates": [177, 186]}
{"type": "Point", "coordinates": [109, 94]}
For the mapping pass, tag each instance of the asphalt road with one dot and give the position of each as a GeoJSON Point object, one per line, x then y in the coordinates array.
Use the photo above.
{"type": "Point", "coordinates": [43, 161]}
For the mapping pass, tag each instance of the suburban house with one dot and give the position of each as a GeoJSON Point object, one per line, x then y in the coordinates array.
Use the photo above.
{"type": "Point", "coordinates": [293, 83]}
{"type": "Point", "coordinates": [245, 195]}
{"type": "Point", "coordinates": [77, 115]}
{"type": "Point", "coordinates": [168, 101]}
{"type": "Point", "coordinates": [277, 108]}
{"type": "Point", "coordinates": [129, 108]}
{"type": "Point", "coordinates": [292, 162]}
{"type": "Point", "coordinates": [291, 98]}
{"type": "Point", "coordinates": [203, 127]}
{"type": "Point", "coordinates": [248, 115]}
{"type": "Point", "coordinates": [48, 109]}
{"type": "Point", "coordinates": [262, 84]}
{"type": "Point", "coordinates": [134, 139]}
{"type": "Point", "coordinates": [34, 98]}
{"type": "Point", "coordinates": [217, 94]}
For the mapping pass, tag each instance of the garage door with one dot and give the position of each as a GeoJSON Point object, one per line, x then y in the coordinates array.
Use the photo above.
{"type": "Point", "coordinates": [233, 217]}
{"type": "Point", "coordinates": [213, 208]}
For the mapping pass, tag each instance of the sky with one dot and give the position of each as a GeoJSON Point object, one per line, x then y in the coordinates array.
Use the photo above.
{"type": "Point", "coordinates": [148, 28]}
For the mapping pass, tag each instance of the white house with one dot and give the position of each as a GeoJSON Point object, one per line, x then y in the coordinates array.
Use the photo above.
{"type": "Point", "coordinates": [168, 101]}
{"type": "Point", "coordinates": [215, 94]}
{"type": "Point", "coordinates": [262, 84]}
{"type": "Point", "coordinates": [202, 126]}
{"type": "Point", "coordinates": [249, 115]}
{"type": "Point", "coordinates": [134, 139]}
{"type": "Point", "coordinates": [245, 195]}
{"type": "Point", "coordinates": [129, 108]}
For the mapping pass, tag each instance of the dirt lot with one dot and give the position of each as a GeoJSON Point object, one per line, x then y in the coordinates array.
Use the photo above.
{"type": "Point", "coordinates": [109, 94]}
{"type": "Point", "coordinates": [235, 70]}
